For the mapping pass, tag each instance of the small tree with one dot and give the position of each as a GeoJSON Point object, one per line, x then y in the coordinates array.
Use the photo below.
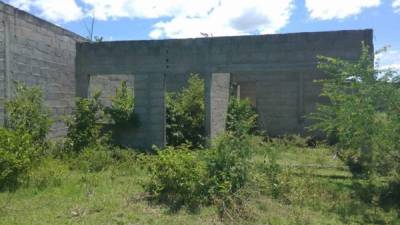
{"type": "Point", "coordinates": [20, 145]}
{"type": "Point", "coordinates": [363, 114]}
{"type": "Point", "coordinates": [186, 114]}
{"type": "Point", "coordinates": [27, 114]}
{"type": "Point", "coordinates": [122, 107]}
{"type": "Point", "coordinates": [84, 127]}
{"type": "Point", "coordinates": [241, 117]}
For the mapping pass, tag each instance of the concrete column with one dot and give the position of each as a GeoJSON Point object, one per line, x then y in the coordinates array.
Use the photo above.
{"type": "Point", "coordinates": [216, 103]}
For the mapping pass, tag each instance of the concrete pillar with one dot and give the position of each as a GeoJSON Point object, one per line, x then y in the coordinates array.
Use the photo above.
{"type": "Point", "coordinates": [216, 102]}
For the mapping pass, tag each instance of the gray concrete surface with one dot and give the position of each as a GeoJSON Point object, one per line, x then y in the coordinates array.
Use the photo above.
{"type": "Point", "coordinates": [38, 53]}
{"type": "Point", "coordinates": [217, 88]}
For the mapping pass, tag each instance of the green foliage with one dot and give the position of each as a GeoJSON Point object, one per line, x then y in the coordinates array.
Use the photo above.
{"type": "Point", "coordinates": [27, 114]}
{"type": "Point", "coordinates": [273, 170]}
{"type": "Point", "coordinates": [182, 177]}
{"type": "Point", "coordinates": [320, 191]}
{"type": "Point", "coordinates": [48, 173]}
{"type": "Point", "coordinates": [28, 123]}
{"type": "Point", "coordinates": [228, 164]}
{"type": "Point", "coordinates": [185, 114]}
{"type": "Point", "coordinates": [93, 158]}
{"type": "Point", "coordinates": [177, 178]}
{"type": "Point", "coordinates": [122, 107]}
{"type": "Point", "coordinates": [84, 127]}
{"type": "Point", "coordinates": [241, 117]}
{"type": "Point", "coordinates": [17, 154]}
{"type": "Point", "coordinates": [363, 114]}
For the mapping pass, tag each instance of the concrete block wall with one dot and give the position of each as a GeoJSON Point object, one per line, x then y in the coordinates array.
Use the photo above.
{"type": "Point", "coordinates": [108, 85]}
{"type": "Point", "coordinates": [276, 71]}
{"type": "Point", "coordinates": [3, 76]}
{"type": "Point", "coordinates": [38, 53]}
{"type": "Point", "coordinates": [280, 68]}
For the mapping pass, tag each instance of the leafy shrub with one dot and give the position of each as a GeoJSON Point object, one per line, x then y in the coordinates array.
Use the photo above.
{"type": "Point", "coordinates": [185, 114]}
{"type": "Point", "coordinates": [228, 164]}
{"type": "Point", "coordinates": [122, 107]}
{"type": "Point", "coordinates": [363, 114]}
{"type": "Point", "coordinates": [177, 178]}
{"type": "Point", "coordinates": [27, 114]}
{"type": "Point", "coordinates": [180, 177]}
{"type": "Point", "coordinates": [84, 127]}
{"type": "Point", "coordinates": [93, 158]}
{"type": "Point", "coordinates": [241, 117]}
{"type": "Point", "coordinates": [17, 154]}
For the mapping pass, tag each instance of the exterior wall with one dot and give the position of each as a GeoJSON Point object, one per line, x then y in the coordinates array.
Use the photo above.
{"type": "Point", "coordinates": [280, 67]}
{"type": "Point", "coordinates": [38, 53]}
{"type": "Point", "coordinates": [2, 72]}
{"type": "Point", "coordinates": [108, 85]}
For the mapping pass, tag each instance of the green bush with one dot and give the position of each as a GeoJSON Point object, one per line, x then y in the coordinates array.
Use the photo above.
{"type": "Point", "coordinates": [228, 164]}
{"type": "Point", "coordinates": [185, 114]}
{"type": "Point", "coordinates": [177, 178]}
{"type": "Point", "coordinates": [122, 107]}
{"type": "Point", "coordinates": [94, 158]}
{"type": "Point", "coordinates": [84, 127]}
{"type": "Point", "coordinates": [363, 114]}
{"type": "Point", "coordinates": [27, 114]}
{"type": "Point", "coordinates": [180, 177]}
{"type": "Point", "coordinates": [241, 118]}
{"type": "Point", "coordinates": [17, 155]}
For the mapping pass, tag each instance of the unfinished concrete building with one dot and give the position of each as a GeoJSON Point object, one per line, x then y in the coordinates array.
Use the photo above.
{"type": "Point", "coordinates": [276, 72]}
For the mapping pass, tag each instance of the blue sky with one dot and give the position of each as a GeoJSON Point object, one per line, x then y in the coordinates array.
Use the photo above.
{"type": "Point", "coordinates": [159, 19]}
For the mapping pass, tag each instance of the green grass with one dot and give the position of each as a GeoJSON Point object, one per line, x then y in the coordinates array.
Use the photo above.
{"type": "Point", "coordinates": [319, 191]}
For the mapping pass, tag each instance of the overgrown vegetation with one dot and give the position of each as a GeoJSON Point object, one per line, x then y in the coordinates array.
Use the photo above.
{"type": "Point", "coordinates": [240, 178]}
{"type": "Point", "coordinates": [363, 116]}
{"type": "Point", "coordinates": [27, 114]}
{"type": "Point", "coordinates": [177, 178]}
{"type": "Point", "coordinates": [181, 177]}
{"type": "Point", "coordinates": [185, 114]}
{"type": "Point", "coordinates": [241, 117]}
{"type": "Point", "coordinates": [23, 140]}
{"type": "Point", "coordinates": [84, 127]}
{"type": "Point", "coordinates": [17, 154]}
{"type": "Point", "coordinates": [122, 107]}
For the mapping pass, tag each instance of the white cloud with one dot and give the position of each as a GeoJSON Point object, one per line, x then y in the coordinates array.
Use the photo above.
{"type": "Point", "coordinates": [396, 6]}
{"type": "Point", "coordinates": [114, 9]}
{"type": "Point", "coordinates": [339, 9]}
{"type": "Point", "coordinates": [64, 11]}
{"type": "Point", "coordinates": [179, 18]}
{"type": "Point", "coordinates": [228, 17]}
{"type": "Point", "coordinates": [184, 18]}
